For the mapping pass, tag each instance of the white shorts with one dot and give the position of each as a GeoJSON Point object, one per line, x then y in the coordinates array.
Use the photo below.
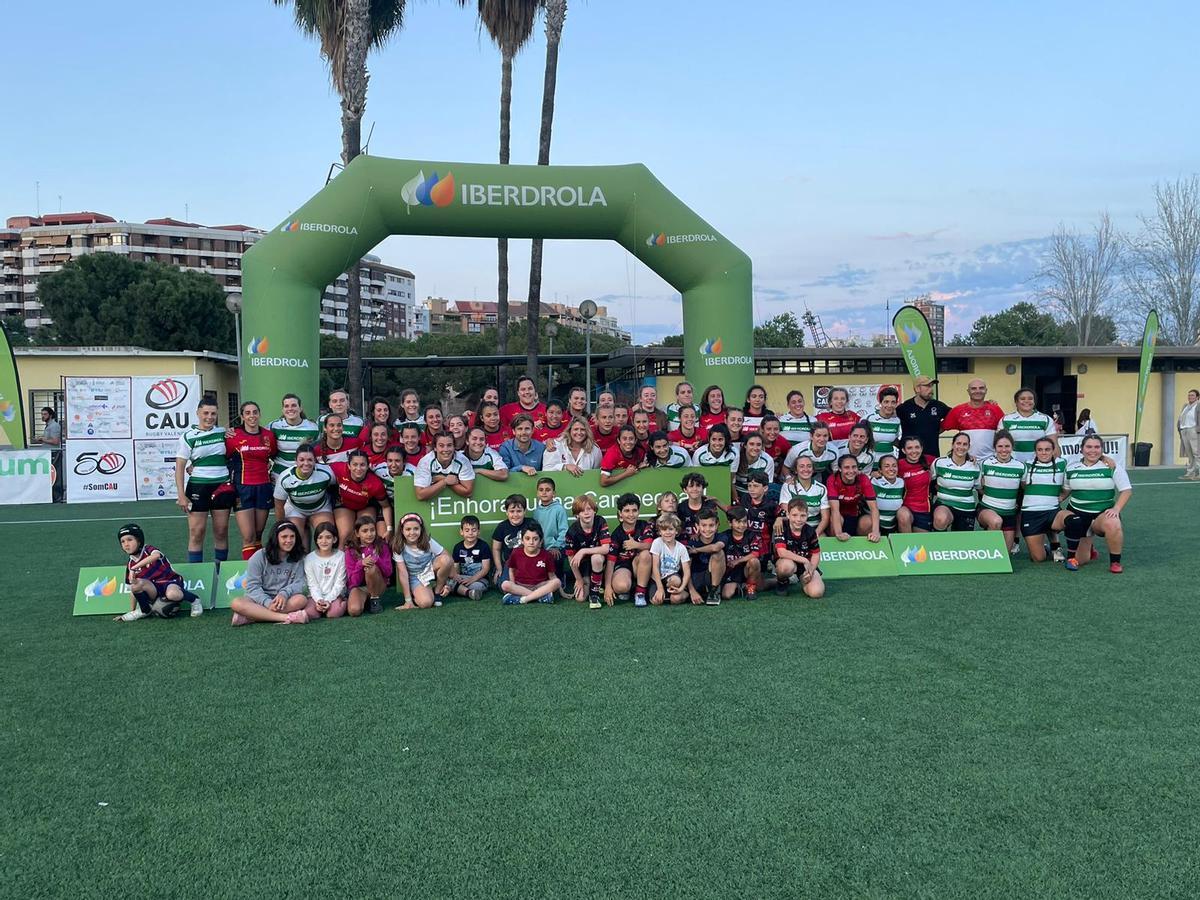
{"type": "Point", "coordinates": [291, 512]}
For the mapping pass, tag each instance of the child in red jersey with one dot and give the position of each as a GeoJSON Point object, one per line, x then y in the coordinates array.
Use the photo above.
{"type": "Point", "coordinates": [797, 552]}
{"type": "Point", "coordinates": [587, 546]}
{"type": "Point", "coordinates": [250, 448]}
{"type": "Point", "coordinates": [157, 589]}
{"type": "Point", "coordinates": [531, 575]}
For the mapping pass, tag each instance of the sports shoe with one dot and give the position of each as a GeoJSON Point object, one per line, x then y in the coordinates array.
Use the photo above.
{"type": "Point", "coordinates": [475, 594]}
{"type": "Point", "coordinates": [197, 608]}
{"type": "Point", "coordinates": [751, 593]}
{"type": "Point", "coordinates": [1014, 549]}
{"type": "Point", "coordinates": [239, 619]}
{"type": "Point", "coordinates": [1058, 555]}
{"type": "Point", "coordinates": [510, 600]}
{"type": "Point", "coordinates": [374, 605]}
{"type": "Point", "coordinates": [297, 617]}
{"type": "Point", "coordinates": [781, 587]}
{"type": "Point", "coordinates": [132, 616]}
{"type": "Point", "coordinates": [594, 600]}
{"type": "Point", "coordinates": [1072, 564]}
{"type": "Point", "coordinates": [549, 598]}
{"type": "Point", "coordinates": [437, 602]}
{"type": "Point", "coordinates": [1116, 568]}
{"type": "Point", "coordinates": [1095, 554]}
{"type": "Point", "coordinates": [639, 599]}
{"type": "Point", "coordinates": [713, 598]}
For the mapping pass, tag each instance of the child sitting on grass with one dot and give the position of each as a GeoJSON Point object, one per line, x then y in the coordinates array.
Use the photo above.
{"type": "Point", "coordinates": [798, 550]}
{"type": "Point", "coordinates": [671, 565]}
{"type": "Point", "coordinates": [587, 546]}
{"type": "Point", "coordinates": [530, 571]}
{"type": "Point", "coordinates": [274, 582]}
{"type": "Point", "coordinates": [156, 588]}
{"type": "Point", "coordinates": [325, 574]}
{"type": "Point", "coordinates": [368, 568]}
{"type": "Point", "coordinates": [471, 562]}
{"type": "Point", "coordinates": [743, 569]}
{"type": "Point", "coordinates": [422, 565]}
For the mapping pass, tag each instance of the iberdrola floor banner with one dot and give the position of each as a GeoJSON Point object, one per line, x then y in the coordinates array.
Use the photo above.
{"type": "Point", "coordinates": [1149, 340]}
{"type": "Point", "coordinates": [916, 342]}
{"type": "Point", "coordinates": [951, 553]}
{"type": "Point", "coordinates": [102, 590]}
{"type": "Point", "coordinates": [285, 273]}
{"type": "Point", "coordinates": [444, 512]}
{"type": "Point", "coordinates": [12, 416]}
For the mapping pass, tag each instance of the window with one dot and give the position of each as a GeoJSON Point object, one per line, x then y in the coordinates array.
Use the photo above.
{"type": "Point", "coordinates": [232, 401]}
{"type": "Point", "coordinates": [38, 399]}
{"type": "Point", "coordinates": [1134, 364]}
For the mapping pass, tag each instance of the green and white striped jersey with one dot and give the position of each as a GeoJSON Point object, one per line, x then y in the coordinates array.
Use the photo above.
{"type": "Point", "coordinates": [797, 429]}
{"type": "Point", "coordinates": [672, 412]}
{"type": "Point", "coordinates": [677, 459]}
{"type": "Point", "coordinates": [866, 462]}
{"type": "Point", "coordinates": [1027, 431]}
{"type": "Point", "coordinates": [1043, 484]}
{"type": "Point", "coordinates": [764, 463]}
{"type": "Point", "coordinates": [889, 497]}
{"type": "Point", "coordinates": [886, 431]}
{"type": "Point", "coordinates": [351, 424]}
{"type": "Point", "coordinates": [815, 495]}
{"type": "Point", "coordinates": [1000, 482]}
{"type": "Point", "coordinates": [306, 494]}
{"type": "Point", "coordinates": [205, 452]}
{"type": "Point", "coordinates": [489, 461]}
{"type": "Point", "coordinates": [288, 439]}
{"type": "Point", "coordinates": [823, 462]}
{"type": "Point", "coordinates": [955, 484]}
{"type": "Point", "coordinates": [385, 476]}
{"type": "Point", "coordinates": [706, 459]}
{"type": "Point", "coordinates": [1093, 489]}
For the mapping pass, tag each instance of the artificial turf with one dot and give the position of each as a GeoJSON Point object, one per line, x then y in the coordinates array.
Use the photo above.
{"type": "Point", "coordinates": [1024, 735]}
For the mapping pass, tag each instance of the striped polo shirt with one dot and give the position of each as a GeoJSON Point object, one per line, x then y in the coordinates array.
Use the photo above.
{"type": "Point", "coordinates": [1094, 488]}
{"type": "Point", "coordinates": [1043, 484]}
{"type": "Point", "coordinates": [1026, 432]}
{"type": "Point", "coordinates": [288, 439]}
{"type": "Point", "coordinates": [205, 451]}
{"type": "Point", "coordinates": [1000, 482]}
{"type": "Point", "coordinates": [955, 484]}
{"type": "Point", "coordinates": [889, 497]}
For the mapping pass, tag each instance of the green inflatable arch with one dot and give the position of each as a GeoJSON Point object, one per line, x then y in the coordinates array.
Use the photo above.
{"type": "Point", "coordinates": [285, 273]}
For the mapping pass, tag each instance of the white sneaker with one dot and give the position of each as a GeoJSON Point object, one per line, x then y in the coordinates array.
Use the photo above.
{"type": "Point", "coordinates": [1058, 556]}
{"type": "Point", "coordinates": [132, 616]}
{"type": "Point", "coordinates": [197, 609]}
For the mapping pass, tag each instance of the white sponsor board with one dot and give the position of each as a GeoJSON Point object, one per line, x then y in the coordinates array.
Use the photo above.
{"type": "Point", "coordinates": [863, 397]}
{"type": "Point", "coordinates": [1115, 445]}
{"type": "Point", "coordinates": [26, 476]}
{"type": "Point", "coordinates": [155, 461]}
{"type": "Point", "coordinates": [99, 471]}
{"type": "Point", "coordinates": [164, 406]}
{"type": "Point", "coordinates": [97, 408]}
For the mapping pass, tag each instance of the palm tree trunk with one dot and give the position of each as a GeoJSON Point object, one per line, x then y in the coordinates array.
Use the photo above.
{"type": "Point", "coordinates": [556, 14]}
{"type": "Point", "coordinates": [354, 102]}
{"type": "Point", "coordinates": [506, 61]}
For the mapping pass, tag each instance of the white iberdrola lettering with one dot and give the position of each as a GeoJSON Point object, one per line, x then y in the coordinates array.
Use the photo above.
{"type": "Point", "coordinates": [532, 195]}
{"type": "Point", "coordinates": [853, 555]}
{"type": "Point", "coordinates": [729, 360]}
{"type": "Point", "coordinates": [691, 238]}
{"type": "Point", "coordinates": [963, 555]}
{"type": "Point", "coordinates": [289, 362]}
{"type": "Point", "coordinates": [328, 229]}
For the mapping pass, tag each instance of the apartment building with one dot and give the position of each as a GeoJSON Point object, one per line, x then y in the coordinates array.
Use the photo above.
{"type": "Point", "coordinates": [475, 316]}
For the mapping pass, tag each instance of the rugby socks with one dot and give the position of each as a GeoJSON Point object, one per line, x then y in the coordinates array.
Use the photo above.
{"type": "Point", "coordinates": [195, 556]}
{"type": "Point", "coordinates": [597, 582]}
{"type": "Point", "coordinates": [143, 601]}
{"type": "Point", "coordinates": [1075, 530]}
{"type": "Point", "coordinates": [1114, 558]}
{"type": "Point", "coordinates": [221, 553]}
{"type": "Point", "coordinates": [248, 550]}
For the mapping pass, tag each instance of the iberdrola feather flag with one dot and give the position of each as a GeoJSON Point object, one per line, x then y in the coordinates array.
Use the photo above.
{"type": "Point", "coordinates": [916, 342]}
{"type": "Point", "coordinates": [12, 419]}
{"type": "Point", "coordinates": [1149, 337]}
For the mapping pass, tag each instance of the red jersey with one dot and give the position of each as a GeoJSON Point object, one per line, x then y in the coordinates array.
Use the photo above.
{"type": "Point", "coordinates": [614, 460]}
{"type": "Point", "coordinates": [355, 495]}
{"type": "Point", "coordinates": [850, 496]}
{"type": "Point", "coordinates": [250, 455]}
{"type": "Point", "coordinates": [760, 521]}
{"type": "Point", "coordinates": [839, 424]}
{"type": "Point", "coordinates": [380, 458]}
{"type": "Point", "coordinates": [546, 433]}
{"type": "Point", "coordinates": [709, 419]}
{"type": "Point", "coordinates": [496, 438]}
{"type": "Point", "coordinates": [616, 550]}
{"type": "Point", "coordinates": [917, 478]}
{"type": "Point", "coordinates": [510, 411]}
{"type": "Point", "coordinates": [604, 441]}
{"type": "Point", "coordinates": [323, 454]}
{"type": "Point", "coordinates": [778, 450]}
{"type": "Point", "coordinates": [159, 573]}
{"type": "Point", "coordinates": [691, 444]}
{"type": "Point", "coordinates": [530, 570]}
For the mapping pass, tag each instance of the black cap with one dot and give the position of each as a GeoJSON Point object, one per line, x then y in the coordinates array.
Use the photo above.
{"type": "Point", "coordinates": [134, 531]}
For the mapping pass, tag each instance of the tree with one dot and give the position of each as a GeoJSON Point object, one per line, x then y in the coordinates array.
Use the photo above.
{"type": "Point", "coordinates": [672, 340]}
{"type": "Point", "coordinates": [1163, 264]}
{"type": "Point", "coordinates": [1102, 331]}
{"type": "Point", "coordinates": [509, 23]}
{"type": "Point", "coordinates": [556, 16]}
{"type": "Point", "coordinates": [783, 330]}
{"type": "Point", "coordinates": [1022, 324]}
{"type": "Point", "coordinates": [346, 30]}
{"type": "Point", "coordinates": [19, 334]}
{"type": "Point", "coordinates": [1078, 277]}
{"type": "Point", "coordinates": [107, 299]}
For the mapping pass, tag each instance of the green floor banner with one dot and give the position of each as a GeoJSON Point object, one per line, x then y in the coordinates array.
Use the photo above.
{"type": "Point", "coordinates": [443, 513]}
{"type": "Point", "coordinates": [916, 342]}
{"type": "Point", "coordinates": [856, 558]}
{"type": "Point", "coordinates": [1149, 340]}
{"type": "Point", "coordinates": [231, 576]}
{"type": "Point", "coordinates": [951, 553]}
{"type": "Point", "coordinates": [12, 416]}
{"type": "Point", "coordinates": [102, 590]}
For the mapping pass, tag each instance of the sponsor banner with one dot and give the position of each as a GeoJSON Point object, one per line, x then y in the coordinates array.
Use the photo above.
{"type": "Point", "coordinates": [99, 471]}
{"type": "Point", "coordinates": [97, 408]}
{"type": "Point", "coordinates": [12, 416]}
{"type": "Point", "coordinates": [101, 590]}
{"type": "Point", "coordinates": [155, 469]}
{"type": "Point", "coordinates": [1115, 445]}
{"type": "Point", "coordinates": [443, 513]}
{"type": "Point", "coordinates": [856, 558]}
{"type": "Point", "coordinates": [951, 553]}
{"type": "Point", "coordinates": [864, 398]}
{"type": "Point", "coordinates": [26, 476]}
{"type": "Point", "coordinates": [1149, 339]}
{"type": "Point", "coordinates": [916, 342]}
{"type": "Point", "coordinates": [231, 575]}
{"type": "Point", "coordinates": [164, 406]}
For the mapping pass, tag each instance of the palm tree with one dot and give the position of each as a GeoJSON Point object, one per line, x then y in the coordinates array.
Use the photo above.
{"type": "Point", "coordinates": [346, 30]}
{"type": "Point", "coordinates": [556, 16]}
{"type": "Point", "coordinates": [510, 24]}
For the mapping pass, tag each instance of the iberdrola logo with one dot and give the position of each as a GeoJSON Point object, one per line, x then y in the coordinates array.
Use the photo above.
{"type": "Point", "coordinates": [293, 225]}
{"type": "Point", "coordinates": [431, 191]}
{"type": "Point", "coordinates": [912, 555]}
{"type": "Point", "coordinates": [711, 347]}
{"type": "Point", "coordinates": [101, 588]}
{"type": "Point", "coordinates": [8, 412]}
{"type": "Point", "coordinates": [909, 335]}
{"type": "Point", "coordinates": [656, 239]}
{"type": "Point", "coordinates": [236, 583]}
{"type": "Point", "coordinates": [257, 346]}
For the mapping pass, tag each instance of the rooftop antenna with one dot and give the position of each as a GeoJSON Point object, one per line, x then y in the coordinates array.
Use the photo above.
{"type": "Point", "coordinates": [60, 204]}
{"type": "Point", "coordinates": [366, 147]}
{"type": "Point", "coordinates": [37, 186]}
{"type": "Point", "coordinates": [815, 328]}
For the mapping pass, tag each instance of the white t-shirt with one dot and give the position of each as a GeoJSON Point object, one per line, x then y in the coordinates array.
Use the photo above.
{"type": "Point", "coordinates": [429, 468]}
{"type": "Point", "coordinates": [670, 560]}
{"type": "Point", "coordinates": [326, 575]}
{"type": "Point", "coordinates": [560, 457]}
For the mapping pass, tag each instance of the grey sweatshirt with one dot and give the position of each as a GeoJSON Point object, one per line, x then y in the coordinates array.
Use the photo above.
{"type": "Point", "coordinates": [264, 582]}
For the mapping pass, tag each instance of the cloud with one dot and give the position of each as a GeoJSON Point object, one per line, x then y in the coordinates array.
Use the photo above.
{"type": "Point", "coordinates": [921, 237]}
{"type": "Point", "coordinates": [845, 276]}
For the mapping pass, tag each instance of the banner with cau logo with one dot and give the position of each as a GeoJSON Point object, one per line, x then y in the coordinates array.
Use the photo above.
{"type": "Point", "coordinates": [99, 471]}
{"type": "Point", "coordinates": [164, 406]}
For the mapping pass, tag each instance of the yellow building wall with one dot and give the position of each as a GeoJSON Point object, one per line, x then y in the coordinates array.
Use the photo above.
{"type": "Point", "coordinates": [1112, 398]}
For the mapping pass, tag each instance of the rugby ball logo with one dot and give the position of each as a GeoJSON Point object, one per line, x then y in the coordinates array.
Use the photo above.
{"type": "Point", "coordinates": [166, 394]}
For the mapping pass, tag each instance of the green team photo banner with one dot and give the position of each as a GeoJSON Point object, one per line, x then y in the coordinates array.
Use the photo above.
{"type": "Point", "coordinates": [443, 513]}
{"type": "Point", "coordinates": [101, 590]}
{"type": "Point", "coordinates": [856, 558]}
{"type": "Point", "coordinates": [1149, 340]}
{"type": "Point", "coordinates": [285, 273]}
{"type": "Point", "coordinates": [12, 415]}
{"type": "Point", "coordinates": [231, 581]}
{"type": "Point", "coordinates": [951, 553]}
{"type": "Point", "coordinates": [916, 342]}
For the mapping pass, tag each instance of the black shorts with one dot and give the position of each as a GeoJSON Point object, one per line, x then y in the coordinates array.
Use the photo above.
{"type": "Point", "coordinates": [922, 520]}
{"type": "Point", "coordinates": [736, 575]}
{"type": "Point", "coordinates": [850, 525]}
{"type": "Point", "coordinates": [207, 497]}
{"type": "Point", "coordinates": [256, 496]}
{"type": "Point", "coordinates": [1086, 517]}
{"type": "Point", "coordinates": [963, 521]}
{"type": "Point", "coordinates": [626, 564]}
{"type": "Point", "coordinates": [702, 580]}
{"type": "Point", "coordinates": [1037, 521]}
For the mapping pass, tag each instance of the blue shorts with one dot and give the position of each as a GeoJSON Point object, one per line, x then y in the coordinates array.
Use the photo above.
{"type": "Point", "coordinates": [256, 496]}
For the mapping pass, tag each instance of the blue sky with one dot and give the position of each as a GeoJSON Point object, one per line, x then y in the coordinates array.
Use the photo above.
{"type": "Point", "coordinates": [857, 153]}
